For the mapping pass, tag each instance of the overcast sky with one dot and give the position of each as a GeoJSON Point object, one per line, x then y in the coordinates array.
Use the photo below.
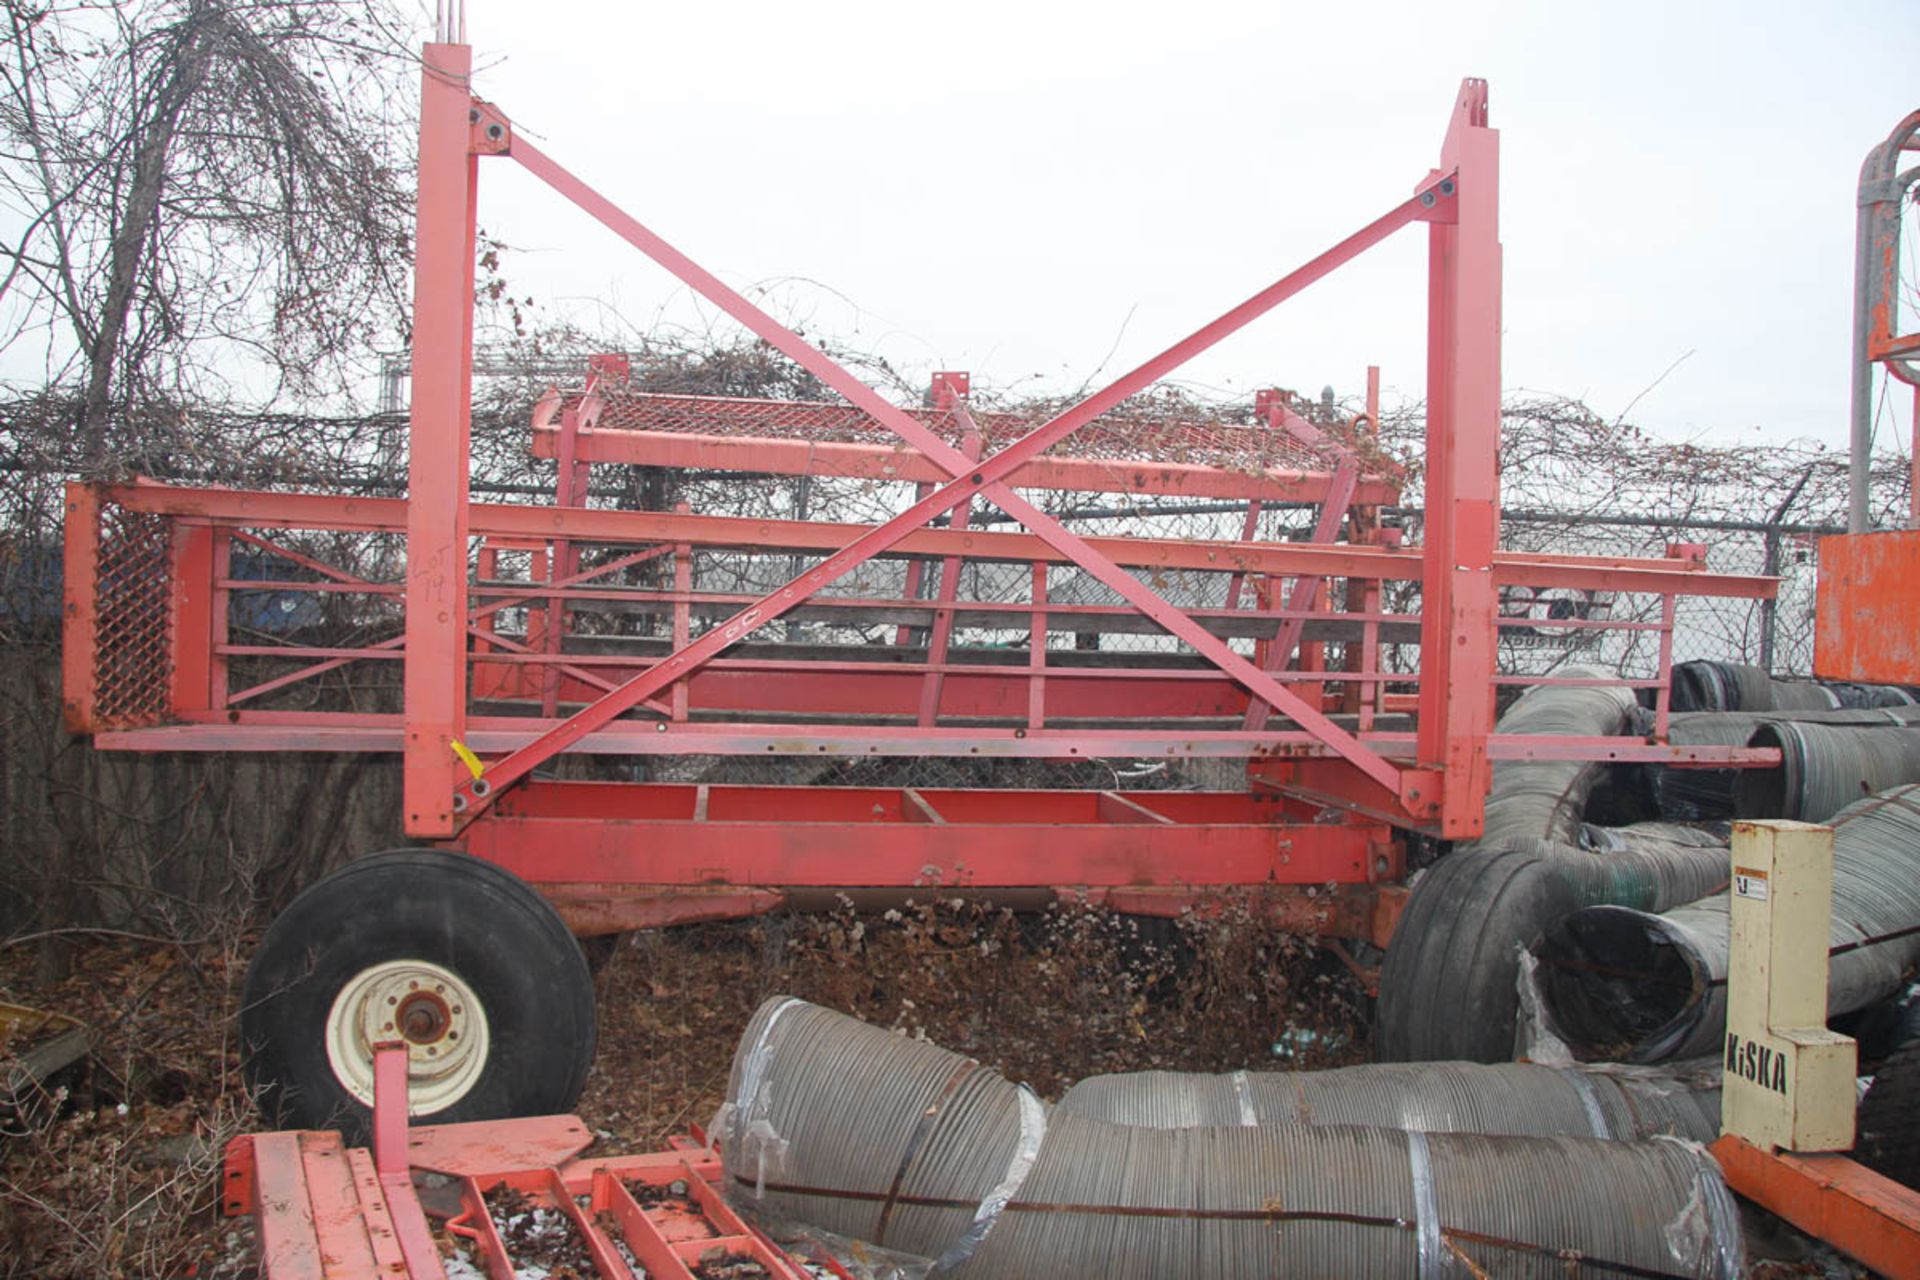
{"type": "Point", "coordinates": [1038, 191]}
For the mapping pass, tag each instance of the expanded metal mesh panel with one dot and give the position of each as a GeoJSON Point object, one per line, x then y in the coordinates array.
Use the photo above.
{"type": "Point", "coordinates": [132, 662]}
{"type": "Point", "coordinates": [1136, 432]}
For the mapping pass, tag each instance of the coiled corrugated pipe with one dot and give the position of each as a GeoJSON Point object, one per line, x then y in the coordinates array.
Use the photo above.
{"type": "Point", "coordinates": [1823, 769]}
{"type": "Point", "coordinates": [1519, 1098]}
{"type": "Point", "coordinates": [1626, 985]}
{"type": "Point", "coordinates": [1544, 799]}
{"type": "Point", "coordinates": [1870, 695]}
{"type": "Point", "coordinates": [1447, 987]}
{"type": "Point", "coordinates": [1733, 686]}
{"type": "Point", "coordinates": [877, 1137]}
{"type": "Point", "coordinates": [1694, 795]}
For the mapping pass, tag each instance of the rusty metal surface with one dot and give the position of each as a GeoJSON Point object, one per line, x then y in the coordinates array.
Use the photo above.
{"type": "Point", "coordinates": [1872, 1218]}
{"type": "Point", "coordinates": [324, 1210]}
{"type": "Point", "coordinates": [1867, 608]}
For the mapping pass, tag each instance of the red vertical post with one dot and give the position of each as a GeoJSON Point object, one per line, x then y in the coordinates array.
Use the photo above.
{"type": "Point", "coordinates": [1363, 523]}
{"type": "Point", "coordinates": [1037, 651]}
{"type": "Point", "coordinates": [438, 435]}
{"type": "Point", "coordinates": [1913, 463]}
{"type": "Point", "coordinates": [682, 618]}
{"type": "Point", "coordinates": [219, 622]}
{"type": "Point", "coordinates": [1663, 692]}
{"type": "Point", "coordinates": [1369, 664]}
{"type": "Point", "coordinates": [490, 679]}
{"type": "Point", "coordinates": [570, 490]}
{"type": "Point", "coordinates": [390, 1103]}
{"type": "Point", "coordinates": [80, 610]}
{"type": "Point", "coordinates": [950, 394]}
{"type": "Point", "coordinates": [1462, 497]}
{"type": "Point", "coordinates": [191, 604]}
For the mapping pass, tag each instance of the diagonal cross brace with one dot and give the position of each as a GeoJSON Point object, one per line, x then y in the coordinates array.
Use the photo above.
{"type": "Point", "coordinates": [970, 479]}
{"type": "Point", "coordinates": [1306, 588]}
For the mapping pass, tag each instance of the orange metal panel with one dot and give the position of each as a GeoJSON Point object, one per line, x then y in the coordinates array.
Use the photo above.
{"type": "Point", "coordinates": [1867, 608]}
{"type": "Point", "coordinates": [1846, 1204]}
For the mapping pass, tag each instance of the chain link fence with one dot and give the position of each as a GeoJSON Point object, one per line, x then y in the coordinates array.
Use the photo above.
{"type": "Point", "coordinates": [1572, 483]}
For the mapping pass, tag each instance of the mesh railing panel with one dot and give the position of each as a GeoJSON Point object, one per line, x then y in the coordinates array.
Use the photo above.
{"type": "Point", "coordinates": [132, 659]}
{"type": "Point", "coordinates": [1140, 431]}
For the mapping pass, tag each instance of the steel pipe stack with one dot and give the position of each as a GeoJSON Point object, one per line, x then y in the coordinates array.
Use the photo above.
{"type": "Point", "coordinates": [880, 1138]}
{"type": "Point", "coordinates": [1636, 986]}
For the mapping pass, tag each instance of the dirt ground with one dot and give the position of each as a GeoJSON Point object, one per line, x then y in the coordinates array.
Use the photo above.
{"type": "Point", "coordinates": [113, 1173]}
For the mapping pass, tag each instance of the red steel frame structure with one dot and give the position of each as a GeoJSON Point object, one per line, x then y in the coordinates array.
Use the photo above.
{"type": "Point", "coordinates": [327, 1210]}
{"type": "Point", "coordinates": [150, 657]}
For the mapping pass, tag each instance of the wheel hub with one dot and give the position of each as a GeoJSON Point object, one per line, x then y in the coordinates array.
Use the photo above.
{"type": "Point", "coordinates": [418, 1004]}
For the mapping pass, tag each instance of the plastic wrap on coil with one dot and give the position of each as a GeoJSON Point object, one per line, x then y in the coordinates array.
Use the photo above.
{"type": "Point", "coordinates": [1518, 1098]}
{"type": "Point", "coordinates": [897, 1142]}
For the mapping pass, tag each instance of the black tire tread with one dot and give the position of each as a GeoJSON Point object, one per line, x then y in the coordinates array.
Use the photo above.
{"type": "Point", "coordinates": [1888, 1131]}
{"type": "Point", "coordinates": [530, 948]}
{"type": "Point", "coordinates": [1447, 986]}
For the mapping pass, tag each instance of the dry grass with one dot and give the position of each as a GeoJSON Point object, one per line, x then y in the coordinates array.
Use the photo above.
{"type": "Point", "coordinates": [113, 1174]}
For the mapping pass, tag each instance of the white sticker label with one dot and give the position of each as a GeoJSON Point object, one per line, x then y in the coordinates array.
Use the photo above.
{"type": "Point", "coordinates": [1749, 883]}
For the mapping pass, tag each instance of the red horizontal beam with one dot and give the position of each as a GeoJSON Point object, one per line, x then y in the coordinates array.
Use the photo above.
{"type": "Point", "coordinates": [1858, 1211]}
{"type": "Point", "coordinates": [492, 735]}
{"type": "Point", "coordinates": [256, 509]}
{"type": "Point", "coordinates": [818, 837]}
{"type": "Point", "coordinates": [880, 462]}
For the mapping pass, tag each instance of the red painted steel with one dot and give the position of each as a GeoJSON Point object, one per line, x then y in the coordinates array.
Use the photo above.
{"type": "Point", "coordinates": [1306, 588]}
{"type": "Point", "coordinates": [258, 509]}
{"type": "Point", "coordinates": [438, 430]}
{"type": "Point", "coordinates": [491, 735]}
{"type": "Point", "coordinates": [1462, 477]}
{"type": "Point", "coordinates": [888, 463]}
{"type": "Point", "coordinates": [506, 664]}
{"type": "Point", "coordinates": [80, 618]}
{"type": "Point", "coordinates": [324, 1210]}
{"type": "Point", "coordinates": [969, 478]}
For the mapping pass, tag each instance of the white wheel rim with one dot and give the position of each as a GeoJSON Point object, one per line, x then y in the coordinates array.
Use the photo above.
{"type": "Point", "coordinates": [419, 1004]}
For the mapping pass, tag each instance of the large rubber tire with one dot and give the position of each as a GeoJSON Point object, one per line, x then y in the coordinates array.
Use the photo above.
{"type": "Point", "coordinates": [438, 912]}
{"type": "Point", "coordinates": [1888, 1131]}
{"type": "Point", "coordinates": [1448, 987]}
